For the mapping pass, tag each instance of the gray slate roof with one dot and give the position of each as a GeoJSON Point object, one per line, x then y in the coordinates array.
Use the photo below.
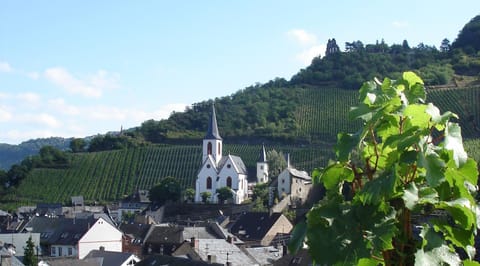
{"type": "Point", "coordinates": [242, 169]}
{"type": "Point", "coordinates": [60, 231]}
{"type": "Point", "coordinates": [255, 225]}
{"type": "Point", "coordinates": [299, 174]}
{"type": "Point", "coordinates": [263, 155]}
{"type": "Point", "coordinates": [212, 131]}
{"type": "Point", "coordinates": [109, 257]}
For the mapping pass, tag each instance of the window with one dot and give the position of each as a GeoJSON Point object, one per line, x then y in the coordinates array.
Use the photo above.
{"type": "Point", "coordinates": [209, 183]}
{"type": "Point", "coordinates": [53, 251]}
{"type": "Point", "coordinates": [59, 251]}
{"type": "Point", "coordinates": [229, 166]}
{"type": "Point", "coordinates": [261, 167]}
{"type": "Point", "coordinates": [283, 181]}
{"type": "Point", "coordinates": [219, 148]}
{"type": "Point", "coordinates": [70, 251]}
{"type": "Point", "coordinates": [208, 165]}
{"type": "Point", "coordinates": [229, 182]}
{"type": "Point", "coordinates": [209, 148]}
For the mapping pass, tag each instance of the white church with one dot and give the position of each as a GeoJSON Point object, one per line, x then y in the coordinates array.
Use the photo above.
{"type": "Point", "coordinates": [219, 171]}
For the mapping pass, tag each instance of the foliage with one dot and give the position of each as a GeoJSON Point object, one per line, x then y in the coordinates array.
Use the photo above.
{"type": "Point", "coordinates": [206, 195]}
{"type": "Point", "coordinates": [469, 37]}
{"type": "Point", "coordinates": [30, 259]}
{"type": "Point", "coordinates": [167, 190]}
{"type": "Point", "coordinates": [276, 162]}
{"type": "Point", "coordinates": [189, 194]}
{"type": "Point", "coordinates": [258, 205]}
{"type": "Point", "coordinates": [260, 194]}
{"type": "Point", "coordinates": [78, 145]}
{"type": "Point", "coordinates": [113, 142]}
{"type": "Point", "coordinates": [224, 194]}
{"type": "Point", "coordinates": [290, 215]}
{"type": "Point", "coordinates": [406, 168]}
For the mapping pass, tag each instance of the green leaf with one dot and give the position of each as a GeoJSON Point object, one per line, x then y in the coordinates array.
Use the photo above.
{"type": "Point", "coordinates": [316, 175]}
{"type": "Point", "coordinates": [368, 262]}
{"type": "Point", "coordinates": [437, 119]}
{"type": "Point", "coordinates": [430, 238]}
{"type": "Point", "coordinates": [470, 263]}
{"type": "Point", "coordinates": [381, 188]}
{"type": "Point", "coordinates": [463, 211]}
{"type": "Point", "coordinates": [417, 116]}
{"type": "Point", "coordinates": [410, 196]}
{"type": "Point", "coordinates": [436, 256]}
{"type": "Point", "coordinates": [434, 166]}
{"type": "Point", "coordinates": [361, 111]}
{"type": "Point", "coordinates": [453, 141]}
{"type": "Point", "coordinates": [297, 237]}
{"type": "Point", "coordinates": [412, 78]}
{"type": "Point", "coordinates": [345, 144]}
{"type": "Point", "coordinates": [334, 174]}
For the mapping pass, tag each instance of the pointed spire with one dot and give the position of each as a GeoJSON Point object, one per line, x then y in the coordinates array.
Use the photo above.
{"type": "Point", "coordinates": [212, 132]}
{"type": "Point", "coordinates": [263, 155]}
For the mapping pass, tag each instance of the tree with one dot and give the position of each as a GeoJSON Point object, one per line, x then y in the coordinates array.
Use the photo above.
{"type": "Point", "coordinates": [276, 162]}
{"type": "Point", "coordinates": [189, 194]}
{"type": "Point", "coordinates": [411, 184]}
{"type": "Point", "coordinates": [260, 192]}
{"type": "Point", "coordinates": [205, 196]}
{"type": "Point", "coordinates": [30, 258]}
{"type": "Point", "coordinates": [224, 194]}
{"type": "Point", "coordinates": [168, 189]}
{"type": "Point", "coordinates": [77, 145]}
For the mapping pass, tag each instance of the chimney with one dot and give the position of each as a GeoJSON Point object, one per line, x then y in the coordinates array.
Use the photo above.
{"type": "Point", "coordinates": [230, 239]}
{"type": "Point", "coordinates": [101, 248]}
{"type": "Point", "coordinates": [229, 263]}
{"type": "Point", "coordinates": [194, 243]}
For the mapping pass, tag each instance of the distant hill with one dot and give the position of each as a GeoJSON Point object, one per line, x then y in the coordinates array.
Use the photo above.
{"type": "Point", "coordinates": [12, 154]}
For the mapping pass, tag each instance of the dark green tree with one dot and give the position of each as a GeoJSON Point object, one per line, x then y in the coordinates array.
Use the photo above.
{"type": "Point", "coordinates": [260, 192]}
{"type": "Point", "coordinates": [189, 194]}
{"type": "Point", "coordinates": [167, 190]}
{"type": "Point", "coordinates": [77, 145]}
{"type": "Point", "coordinates": [276, 162]}
{"type": "Point", "coordinates": [469, 37]}
{"type": "Point", "coordinates": [30, 259]}
{"type": "Point", "coordinates": [445, 45]}
{"type": "Point", "coordinates": [205, 196]}
{"type": "Point", "coordinates": [224, 194]}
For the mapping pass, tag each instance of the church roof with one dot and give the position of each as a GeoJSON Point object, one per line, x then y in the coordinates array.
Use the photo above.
{"type": "Point", "coordinates": [212, 131]}
{"type": "Point", "coordinates": [263, 155]}
{"type": "Point", "coordinates": [237, 161]}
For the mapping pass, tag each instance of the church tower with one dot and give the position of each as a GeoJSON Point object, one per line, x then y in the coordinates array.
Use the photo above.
{"type": "Point", "coordinates": [262, 167]}
{"type": "Point", "coordinates": [212, 143]}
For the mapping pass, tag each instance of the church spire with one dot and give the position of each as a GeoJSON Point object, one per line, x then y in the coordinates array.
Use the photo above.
{"type": "Point", "coordinates": [212, 132]}
{"type": "Point", "coordinates": [263, 155]}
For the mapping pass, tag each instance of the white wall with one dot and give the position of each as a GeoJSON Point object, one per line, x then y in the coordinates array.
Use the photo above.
{"type": "Point", "coordinates": [101, 234]}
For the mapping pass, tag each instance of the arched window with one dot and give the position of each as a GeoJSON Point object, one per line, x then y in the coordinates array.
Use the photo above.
{"type": "Point", "coordinates": [219, 148]}
{"type": "Point", "coordinates": [209, 183]}
{"type": "Point", "coordinates": [229, 182]}
{"type": "Point", "coordinates": [209, 148]}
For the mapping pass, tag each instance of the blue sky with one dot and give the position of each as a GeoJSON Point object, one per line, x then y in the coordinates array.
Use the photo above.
{"type": "Point", "coordinates": [78, 68]}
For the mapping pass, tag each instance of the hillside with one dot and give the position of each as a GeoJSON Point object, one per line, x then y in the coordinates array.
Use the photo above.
{"type": "Point", "coordinates": [110, 175]}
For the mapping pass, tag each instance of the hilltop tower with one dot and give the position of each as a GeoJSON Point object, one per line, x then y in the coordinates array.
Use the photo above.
{"type": "Point", "coordinates": [262, 167]}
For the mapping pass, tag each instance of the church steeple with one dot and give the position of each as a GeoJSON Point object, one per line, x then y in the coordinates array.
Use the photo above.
{"type": "Point", "coordinates": [212, 131]}
{"type": "Point", "coordinates": [262, 167]}
{"type": "Point", "coordinates": [212, 143]}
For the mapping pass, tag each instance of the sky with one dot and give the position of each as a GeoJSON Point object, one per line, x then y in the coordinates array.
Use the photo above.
{"type": "Point", "coordinates": [80, 68]}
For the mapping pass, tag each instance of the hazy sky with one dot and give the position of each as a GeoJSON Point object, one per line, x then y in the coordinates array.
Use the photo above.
{"type": "Point", "coordinates": [78, 68]}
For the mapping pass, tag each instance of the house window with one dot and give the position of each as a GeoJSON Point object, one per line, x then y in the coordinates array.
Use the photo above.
{"type": "Point", "coordinates": [209, 183]}
{"type": "Point", "coordinates": [229, 182]}
{"type": "Point", "coordinates": [209, 148]}
{"type": "Point", "coordinates": [261, 167]}
{"type": "Point", "coordinates": [283, 181]}
{"type": "Point", "coordinates": [70, 251]}
{"type": "Point", "coordinates": [53, 250]}
{"type": "Point", "coordinates": [59, 251]}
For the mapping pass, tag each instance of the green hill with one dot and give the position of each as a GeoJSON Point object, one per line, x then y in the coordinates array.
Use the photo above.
{"type": "Point", "coordinates": [320, 114]}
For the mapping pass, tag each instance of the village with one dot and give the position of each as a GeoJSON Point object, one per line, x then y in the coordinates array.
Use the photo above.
{"type": "Point", "coordinates": [205, 231]}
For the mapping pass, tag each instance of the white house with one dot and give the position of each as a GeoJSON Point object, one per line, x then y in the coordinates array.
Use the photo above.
{"type": "Point", "coordinates": [219, 171]}
{"type": "Point", "coordinates": [75, 237]}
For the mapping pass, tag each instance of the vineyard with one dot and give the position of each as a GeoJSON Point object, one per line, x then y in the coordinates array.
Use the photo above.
{"type": "Point", "coordinates": [321, 114]}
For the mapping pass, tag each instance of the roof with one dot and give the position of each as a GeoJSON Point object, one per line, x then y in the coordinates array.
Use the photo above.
{"type": "Point", "coordinates": [299, 174]}
{"type": "Point", "coordinates": [71, 261]}
{"type": "Point", "coordinates": [301, 258]}
{"type": "Point", "coordinates": [136, 231]}
{"type": "Point", "coordinates": [77, 200]}
{"type": "Point", "coordinates": [165, 234]}
{"type": "Point", "coordinates": [5, 254]}
{"type": "Point", "coordinates": [237, 161]}
{"type": "Point", "coordinates": [266, 255]}
{"type": "Point", "coordinates": [49, 209]}
{"type": "Point", "coordinates": [161, 260]}
{"type": "Point", "coordinates": [223, 251]}
{"type": "Point", "coordinates": [60, 231]}
{"type": "Point", "coordinates": [112, 257]}
{"type": "Point", "coordinates": [253, 226]}
{"type": "Point", "coordinates": [197, 232]}
{"type": "Point", "coordinates": [212, 131]}
{"type": "Point", "coordinates": [263, 155]}
{"type": "Point", "coordinates": [19, 240]}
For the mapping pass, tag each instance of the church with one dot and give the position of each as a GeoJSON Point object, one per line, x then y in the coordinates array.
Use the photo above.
{"type": "Point", "coordinates": [219, 171]}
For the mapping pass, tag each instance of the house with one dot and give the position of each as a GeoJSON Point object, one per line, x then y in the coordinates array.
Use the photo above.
{"type": "Point", "coordinates": [163, 239]}
{"type": "Point", "coordinates": [301, 258]}
{"type": "Point", "coordinates": [8, 258]}
{"type": "Point", "coordinates": [260, 228]}
{"type": "Point", "coordinates": [133, 237]}
{"type": "Point", "coordinates": [49, 209]}
{"type": "Point", "coordinates": [162, 260]}
{"type": "Point", "coordinates": [113, 258]}
{"type": "Point", "coordinates": [19, 241]}
{"type": "Point", "coordinates": [294, 183]}
{"type": "Point", "coordinates": [75, 237]}
{"type": "Point", "coordinates": [218, 171]}
{"type": "Point", "coordinates": [214, 251]}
